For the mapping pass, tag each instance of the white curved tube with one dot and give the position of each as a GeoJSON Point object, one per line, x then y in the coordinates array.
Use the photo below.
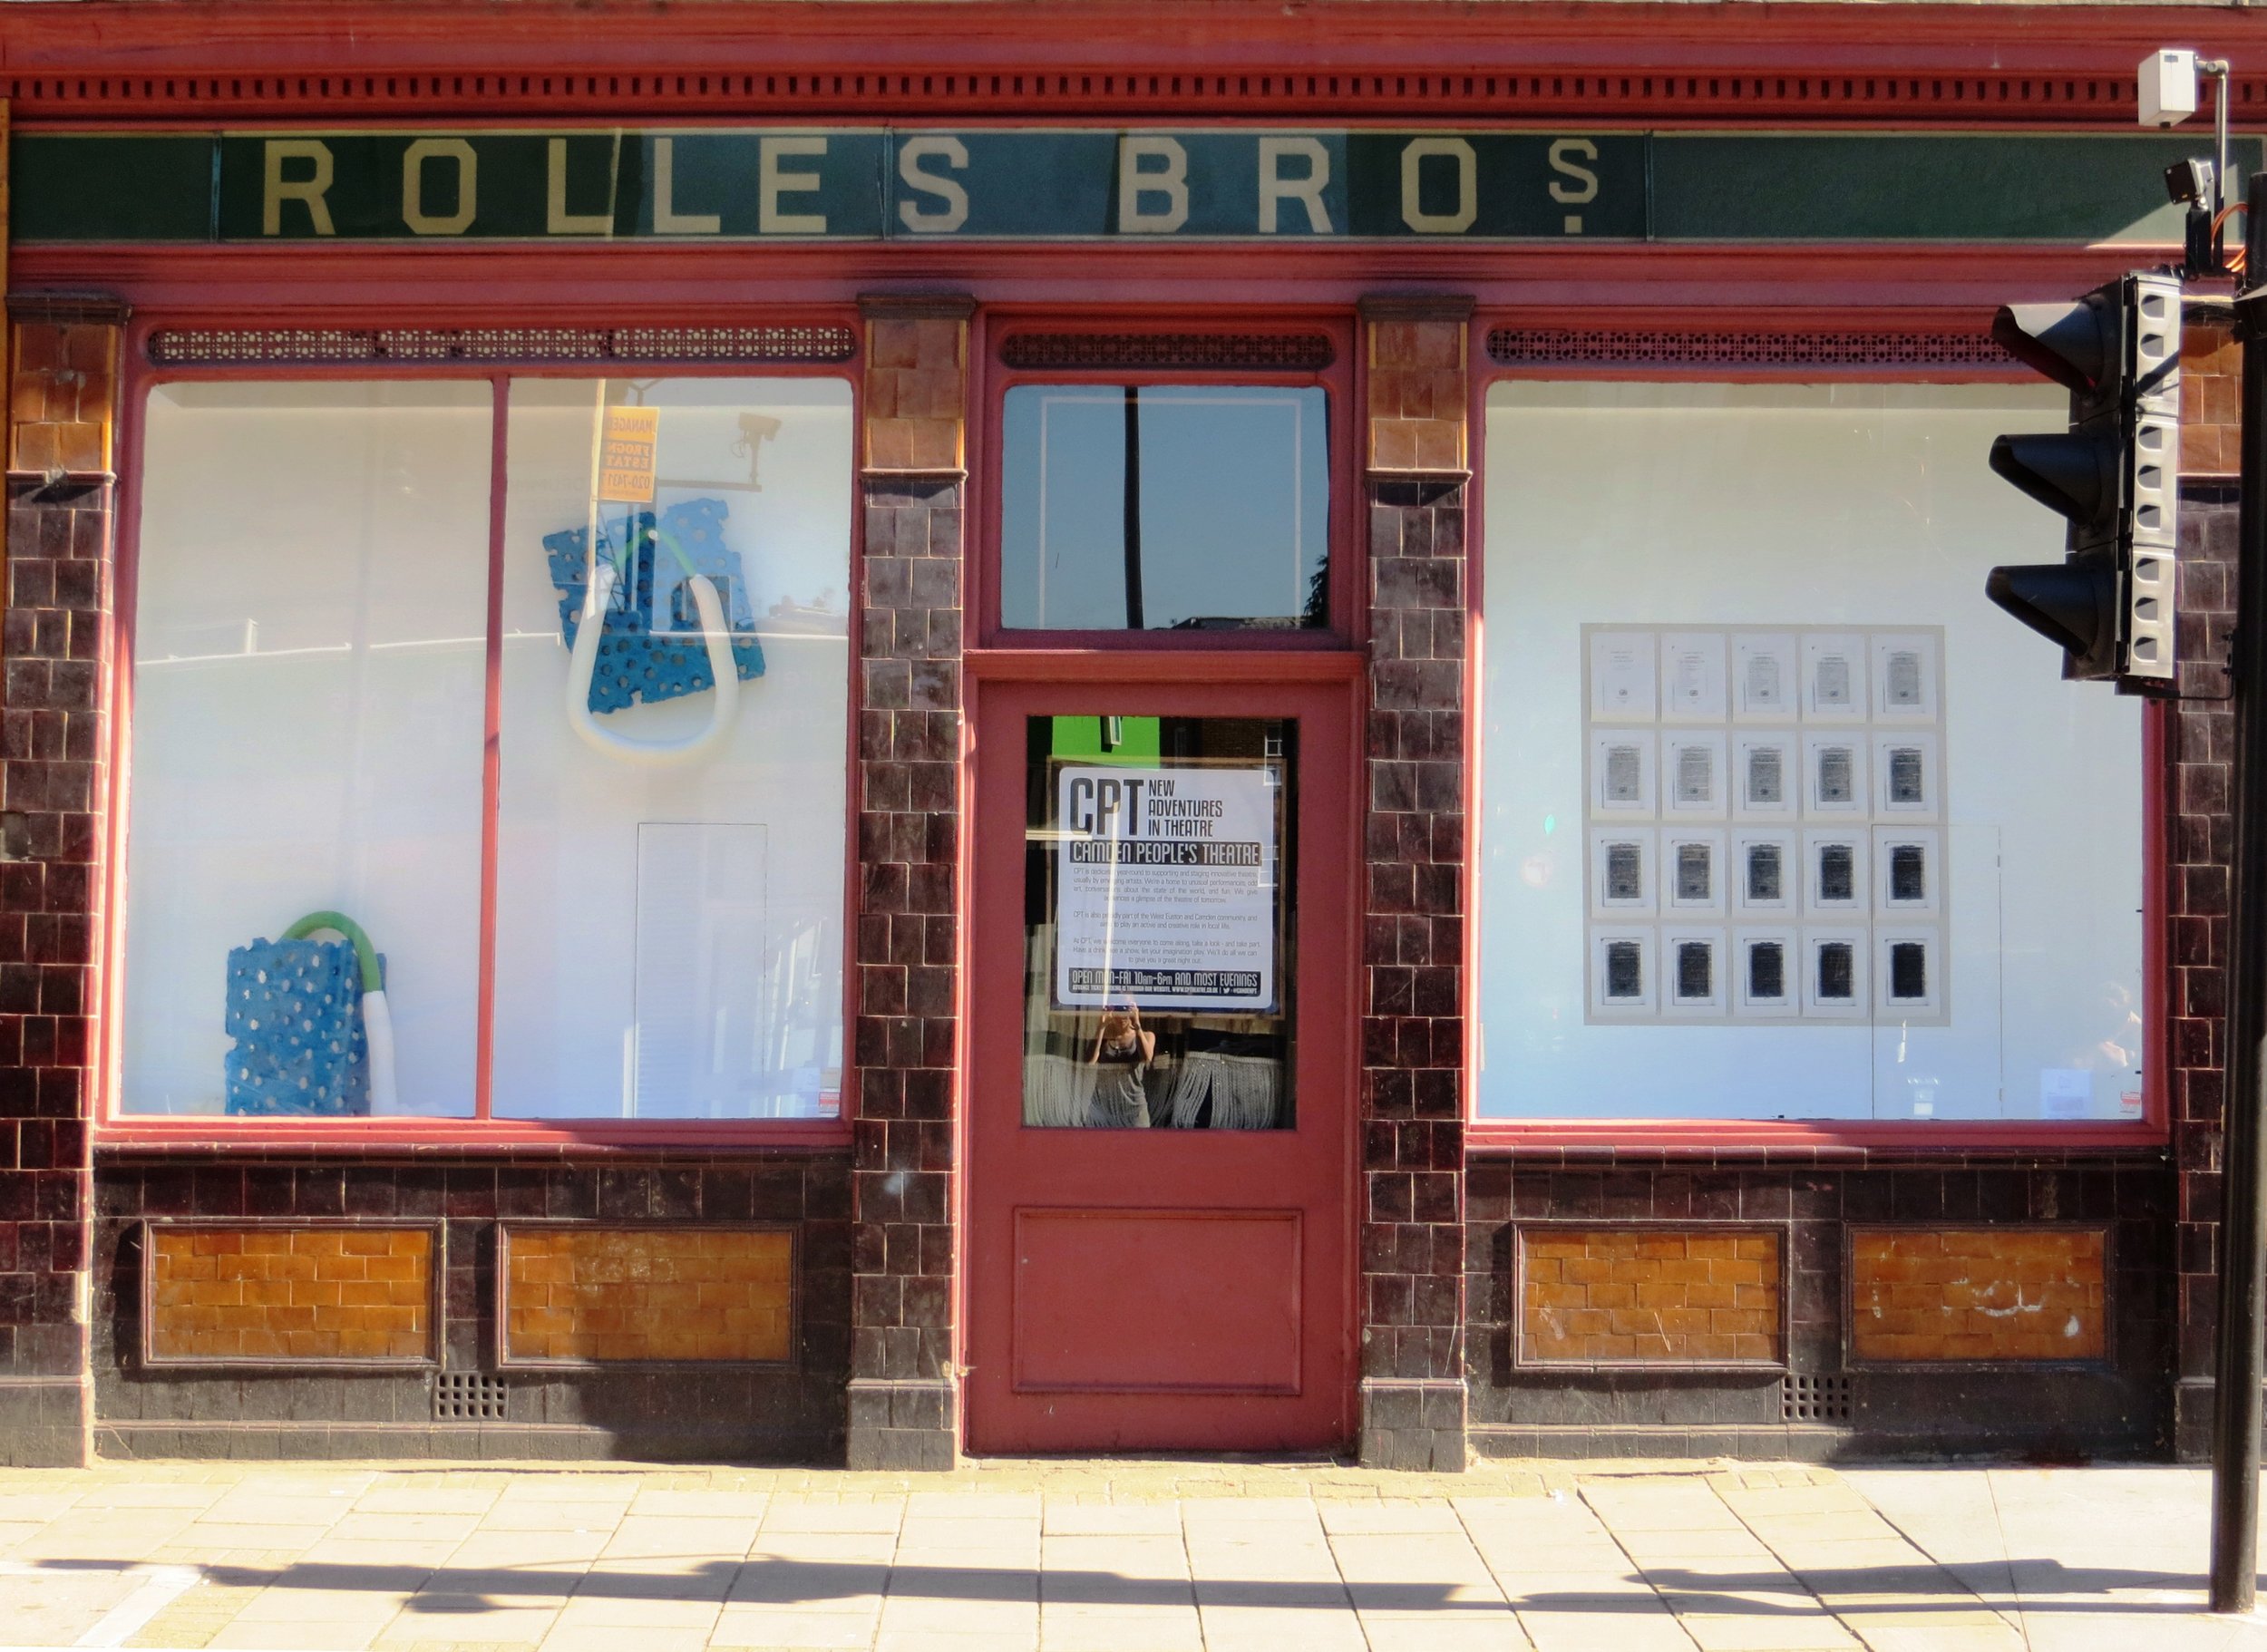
{"type": "Point", "coordinates": [597, 592]}
{"type": "Point", "coordinates": [377, 1031]}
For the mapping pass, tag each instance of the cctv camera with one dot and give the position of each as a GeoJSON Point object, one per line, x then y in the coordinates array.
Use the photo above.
{"type": "Point", "coordinates": [2168, 87]}
{"type": "Point", "coordinates": [2190, 181]}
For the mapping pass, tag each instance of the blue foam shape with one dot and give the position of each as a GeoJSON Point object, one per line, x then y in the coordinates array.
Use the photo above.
{"type": "Point", "coordinates": [295, 1012]}
{"type": "Point", "coordinates": [634, 666]}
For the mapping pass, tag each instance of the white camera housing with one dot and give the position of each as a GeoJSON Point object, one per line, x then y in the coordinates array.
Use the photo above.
{"type": "Point", "coordinates": [2168, 87]}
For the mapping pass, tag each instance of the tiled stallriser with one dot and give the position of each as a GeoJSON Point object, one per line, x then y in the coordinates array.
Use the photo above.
{"type": "Point", "coordinates": [688, 1405]}
{"type": "Point", "coordinates": [2067, 1216]}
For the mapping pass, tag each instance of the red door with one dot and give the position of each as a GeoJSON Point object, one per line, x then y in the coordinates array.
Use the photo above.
{"type": "Point", "coordinates": [1160, 1162]}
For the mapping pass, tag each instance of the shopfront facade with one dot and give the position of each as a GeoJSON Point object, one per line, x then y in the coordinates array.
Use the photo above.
{"type": "Point", "coordinates": [1150, 729]}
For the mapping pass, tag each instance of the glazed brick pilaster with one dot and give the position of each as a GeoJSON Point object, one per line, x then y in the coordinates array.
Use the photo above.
{"type": "Point", "coordinates": [903, 1404]}
{"type": "Point", "coordinates": [1414, 1402]}
{"type": "Point", "coordinates": [62, 382]}
{"type": "Point", "coordinates": [2199, 841]}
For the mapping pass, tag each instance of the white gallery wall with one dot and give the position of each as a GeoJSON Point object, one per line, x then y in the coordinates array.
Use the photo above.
{"type": "Point", "coordinates": [670, 939]}
{"type": "Point", "coordinates": [310, 632]}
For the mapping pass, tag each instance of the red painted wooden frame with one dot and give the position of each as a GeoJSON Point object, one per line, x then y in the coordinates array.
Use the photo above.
{"type": "Point", "coordinates": [674, 284]}
{"type": "Point", "coordinates": [482, 1129]}
{"type": "Point", "coordinates": [1792, 1140]}
{"type": "Point", "coordinates": [1394, 62]}
{"type": "Point", "coordinates": [1309, 683]}
{"type": "Point", "coordinates": [990, 379]}
{"type": "Point", "coordinates": [1989, 63]}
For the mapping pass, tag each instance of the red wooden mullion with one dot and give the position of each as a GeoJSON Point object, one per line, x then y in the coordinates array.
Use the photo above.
{"type": "Point", "coordinates": [491, 769]}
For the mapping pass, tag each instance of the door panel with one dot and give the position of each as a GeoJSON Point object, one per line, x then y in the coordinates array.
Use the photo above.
{"type": "Point", "coordinates": [1161, 1017]}
{"type": "Point", "coordinates": [1217, 1292]}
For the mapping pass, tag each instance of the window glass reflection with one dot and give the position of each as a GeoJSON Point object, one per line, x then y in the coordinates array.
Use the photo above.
{"type": "Point", "coordinates": [1158, 940]}
{"type": "Point", "coordinates": [1783, 818]}
{"type": "Point", "coordinates": [1165, 507]}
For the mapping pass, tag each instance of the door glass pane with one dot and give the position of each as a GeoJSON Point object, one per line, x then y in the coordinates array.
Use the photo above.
{"type": "Point", "coordinates": [1157, 942]}
{"type": "Point", "coordinates": [1165, 507]}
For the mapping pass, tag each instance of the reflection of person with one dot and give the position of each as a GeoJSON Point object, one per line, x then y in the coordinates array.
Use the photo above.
{"type": "Point", "coordinates": [1122, 1049]}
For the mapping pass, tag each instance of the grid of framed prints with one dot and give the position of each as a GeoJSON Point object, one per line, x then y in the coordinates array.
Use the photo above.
{"type": "Point", "coordinates": [1765, 824]}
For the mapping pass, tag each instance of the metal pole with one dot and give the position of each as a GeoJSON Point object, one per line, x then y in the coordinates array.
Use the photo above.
{"type": "Point", "coordinates": [2223, 186]}
{"type": "Point", "coordinates": [1133, 508]}
{"type": "Point", "coordinates": [2236, 1409]}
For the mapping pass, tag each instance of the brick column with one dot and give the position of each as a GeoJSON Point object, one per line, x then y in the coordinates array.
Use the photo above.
{"type": "Point", "coordinates": [1414, 1402]}
{"type": "Point", "coordinates": [53, 746]}
{"type": "Point", "coordinates": [904, 1399]}
{"type": "Point", "coordinates": [2200, 840]}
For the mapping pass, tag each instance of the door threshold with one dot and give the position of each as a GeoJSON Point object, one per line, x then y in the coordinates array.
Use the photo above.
{"type": "Point", "coordinates": [1054, 1459]}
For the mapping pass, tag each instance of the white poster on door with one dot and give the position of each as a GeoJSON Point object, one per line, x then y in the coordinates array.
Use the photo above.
{"type": "Point", "coordinates": [1165, 889]}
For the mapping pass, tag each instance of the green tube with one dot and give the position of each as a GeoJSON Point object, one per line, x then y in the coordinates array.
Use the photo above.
{"type": "Point", "coordinates": [661, 537]}
{"type": "Point", "coordinates": [366, 955]}
{"type": "Point", "coordinates": [669, 541]}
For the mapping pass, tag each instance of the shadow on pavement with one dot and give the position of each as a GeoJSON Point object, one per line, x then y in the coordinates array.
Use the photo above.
{"type": "Point", "coordinates": [2046, 1586]}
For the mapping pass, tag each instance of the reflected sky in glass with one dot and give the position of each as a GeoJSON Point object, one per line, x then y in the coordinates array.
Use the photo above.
{"type": "Point", "coordinates": [1231, 511]}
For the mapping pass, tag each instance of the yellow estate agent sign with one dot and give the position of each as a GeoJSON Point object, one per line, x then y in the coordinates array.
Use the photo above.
{"type": "Point", "coordinates": [626, 458]}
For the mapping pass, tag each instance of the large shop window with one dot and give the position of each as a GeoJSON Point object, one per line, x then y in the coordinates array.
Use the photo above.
{"type": "Point", "coordinates": [664, 678]}
{"type": "Point", "coordinates": [1783, 818]}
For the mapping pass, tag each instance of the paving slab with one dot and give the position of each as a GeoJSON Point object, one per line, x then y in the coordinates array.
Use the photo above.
{"type": "Point", "coordinates": [1111, 1556]}
{"type": "Point", "coordinates": [785, 1627]}
{"type": "Point", "coordinates": [1094, 1629]}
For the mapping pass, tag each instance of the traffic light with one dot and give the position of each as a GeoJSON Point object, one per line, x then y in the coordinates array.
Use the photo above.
{"type": "Point", "coordinates": [2115, 473]}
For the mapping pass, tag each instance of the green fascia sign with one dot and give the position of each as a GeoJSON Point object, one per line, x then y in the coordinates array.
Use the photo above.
{"type": "Point", "coordinates": [1251, 185]}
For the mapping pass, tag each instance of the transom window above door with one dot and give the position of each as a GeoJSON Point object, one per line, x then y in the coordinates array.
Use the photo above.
{"type": "Point", "coordinates": [1165, 508]}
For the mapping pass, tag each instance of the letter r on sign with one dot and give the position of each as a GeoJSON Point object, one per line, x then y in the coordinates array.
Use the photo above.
{"type": "Point", "coordinates": [307, 190]}
{"type": "Point", "coordinates": [1307, 188]}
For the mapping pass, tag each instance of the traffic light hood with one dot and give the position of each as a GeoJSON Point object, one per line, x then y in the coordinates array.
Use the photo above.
{"type": "Point", "coordinates": [2074, 473]}
{"type": "Point", "coordinates": [2074, 343]}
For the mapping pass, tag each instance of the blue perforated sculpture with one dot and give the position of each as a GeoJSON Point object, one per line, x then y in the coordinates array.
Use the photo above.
{"type": "Point", "coordinates": [653, 560]}
{"type": "Point", "coordinates": [303, 1014]}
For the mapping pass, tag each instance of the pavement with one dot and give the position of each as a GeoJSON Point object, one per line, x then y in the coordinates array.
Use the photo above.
{"type": "Point", "coordinates": [1109, 1556]}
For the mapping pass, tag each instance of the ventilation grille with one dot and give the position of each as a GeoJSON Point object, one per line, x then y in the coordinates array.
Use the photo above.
{"type": "Point", "coordinates": [467, 1397]}
{"type": "Point", "coordinates": [1817, 1399]}
{"type": "Point", "coordinates": [876, 96]}
{"type": "Point", "coordinates": [1253, 352]}
{"type": "Point", "coordinates": [283, 346]}
{"type": "Point", "coordinates": [1576, 348]}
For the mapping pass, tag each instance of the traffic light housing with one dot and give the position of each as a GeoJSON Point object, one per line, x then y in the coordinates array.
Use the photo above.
{"type": "Point", "coordinates": [2114, 474]}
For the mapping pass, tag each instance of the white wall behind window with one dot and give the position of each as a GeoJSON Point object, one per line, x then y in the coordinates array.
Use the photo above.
{"type": "Point", "coordinates": [309, 633]}
{"type": "Point", "coordinates": [1789, 507]}
{"type": "Point", "coordinates": [571, 931]}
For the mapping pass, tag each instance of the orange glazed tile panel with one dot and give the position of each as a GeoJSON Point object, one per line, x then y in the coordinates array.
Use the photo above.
{"type": "Point", "coordinates": [1416, 396]}
{"type": "Point", "coordinates": [606, 1294]}
{"type": "Point", "coordinates": [1618, 1294]}
{"type": "Point", "coordinates": [2211, 392]}
{"type": "Point", "coordinates": [290, 1293]}
{"type": "Point", "coordinates": [1977, 1294]}
{"type": "Point", "coordinates": [62, 378]}
{"type": "Point", "coordinates": [916, 379]}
